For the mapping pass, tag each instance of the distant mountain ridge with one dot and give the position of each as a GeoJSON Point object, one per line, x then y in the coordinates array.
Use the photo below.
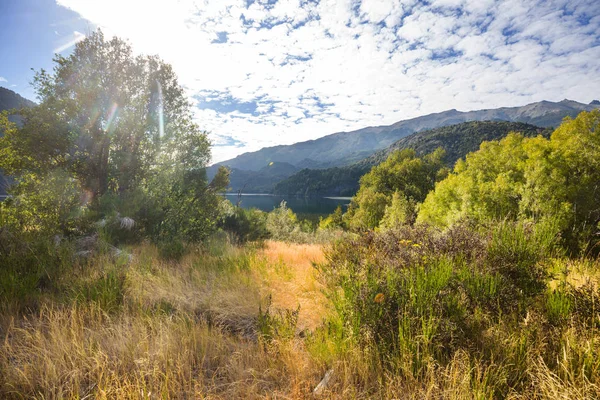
{"type": "Point", "coordinates": [345, 148]}
{"type": "Point", "coordinates": [261, 181]}
{"type": "Point", "coordinates": [8, 101]}
{"type": "Point", "coordinates": [457, 140]}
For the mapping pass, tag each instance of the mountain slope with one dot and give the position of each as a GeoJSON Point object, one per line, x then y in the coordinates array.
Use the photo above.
{"type": "Point", "coordinates": [457, 140]}
{"type": "Point", "coordinates": [345, 148]}
{"type": "Point", "coordinates": [261, 181]}
{"type": "Point", "coordinates": [8, 101]}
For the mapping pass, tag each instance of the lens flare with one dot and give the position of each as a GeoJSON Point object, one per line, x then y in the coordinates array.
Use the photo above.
{"type": "Point", "coordinates": [112, 114]}
{"type": "Point", "coordinates": [161, 121]}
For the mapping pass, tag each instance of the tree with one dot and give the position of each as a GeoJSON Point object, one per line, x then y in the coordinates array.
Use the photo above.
{"type": "Point", "coordinates": [403, 172]}
{"type": "Point", "coordinates": [118, 124]}
{"type": "Point", "coordinates": [333, 221]}
{"type": "Point", "coordinates": [552, 181]}
{"type": "Point", "coordinates": [399, 212]}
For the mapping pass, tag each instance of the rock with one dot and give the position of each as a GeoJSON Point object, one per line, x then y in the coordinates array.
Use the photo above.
{"type": "Point", "coordinates": [324, 383]}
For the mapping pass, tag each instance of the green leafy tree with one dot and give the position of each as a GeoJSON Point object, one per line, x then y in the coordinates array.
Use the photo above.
{"type": "Point", "coordinates": [399, 212]}
{"type": "Point", "coordinates": [282, 223]}
{"type": "Point", "coordinates": [552, 181]}
{"type": "Point", "coordinates": [333, 221]}
{"type": "Point", "coordinates": [403, 172]}
{"type": "Point", "coordinates": [118, 124]}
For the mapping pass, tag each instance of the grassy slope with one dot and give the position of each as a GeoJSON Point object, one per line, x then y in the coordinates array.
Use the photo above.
{"type": "Point", "coordinates": [164, 329]}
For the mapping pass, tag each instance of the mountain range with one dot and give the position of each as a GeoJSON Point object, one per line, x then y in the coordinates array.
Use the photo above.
{"type": "Point", "coordinates": [347, 148]}
{"type": "Point", "coordinates": [457, 140]}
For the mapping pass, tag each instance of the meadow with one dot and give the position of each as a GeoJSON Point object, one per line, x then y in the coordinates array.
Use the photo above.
{"type": "Point", "coordinates": [266, 320]}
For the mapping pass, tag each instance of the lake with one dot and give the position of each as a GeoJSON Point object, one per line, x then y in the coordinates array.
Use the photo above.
{"type": "Point", "coordinates": [299, 205]}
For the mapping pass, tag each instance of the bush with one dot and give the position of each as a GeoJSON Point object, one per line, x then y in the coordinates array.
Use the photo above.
{"type": "Point", "coordinates": [515, 251]}
{"type": "Point", "coordinates": [173, 249]}
{"type": "Point", "coordinates": [50, 204]}
{"type": "Point", "coordinates": [333, 221]}
{"type": "Point", "coordinates": [282, 224]}
{"type": "Point", "coordinates": [243, 225]}
{"type": "Point", "coordinates": [415, 297]}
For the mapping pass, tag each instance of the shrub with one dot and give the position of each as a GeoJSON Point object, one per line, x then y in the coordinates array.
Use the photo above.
{"type": "Point", "coordinates": [282, 224]}
{"type": "Point", "coordinates": [172, 249]}
{"type": "Point", "coordinates": [415, 297]}
{"type": "Point", "coordinates": [243, 225]}
{"type": "Point", "coordinates": [333, 221]}
{"type": "Point", "coordinates": [515, 251]}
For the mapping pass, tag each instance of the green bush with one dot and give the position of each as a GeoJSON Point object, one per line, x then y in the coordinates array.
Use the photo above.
{"type": "Point", "coordinates": [515, 251]}
{"type": "Point", "coordinates": [282, 224]}
{"type": "Point", "coordinates": [173, 249]}
{"type": "Point", "coordinates": [243, 225]}
{"type": "Point", "coordinates": [549, 181]}
{"type": "Point", "coordinates": [415, 297]}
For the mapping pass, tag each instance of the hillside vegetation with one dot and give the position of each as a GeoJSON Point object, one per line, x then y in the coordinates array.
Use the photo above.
{"type": "Point", "coordinates": [124, 274]}
{"type": "Point", "coordinates": [457, 140]}
{"type": "Point", "coordinates": [344, 148]}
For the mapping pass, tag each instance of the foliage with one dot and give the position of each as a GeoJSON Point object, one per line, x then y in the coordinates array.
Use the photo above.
{"type": "Point", "coordinates": [404, 173]}
{"type": "Point", "coordinates": [415, 298]}
{"type": "Point", "coordinates": [399, 212]}
{"type": "Point", "coordinates": [52, 203]}
{"type": "Point", "coordinates": [243, 225]}
{"type": "Point", "coordinates": [554, 181]}
{"type": "Point", "coordinates": [119, 129]}
{"type": "Point", "coordinates": [457, 140]}
{"type": "Point", "coordinates": [282, 223]}
{"type": "Point", "coordinates": [333, 221]}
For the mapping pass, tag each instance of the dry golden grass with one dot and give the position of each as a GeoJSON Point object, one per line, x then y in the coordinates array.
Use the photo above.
{"type": "Point", "coordinates": [185, 329]}
{"type": "Point", "coordinates": [577, 272]}
{"type": "Point", "coordinates": [79, 351]}
{"type": "Point", "coordinates": [188, 329]}
{"type": "Point", "coordinates": [290, 277]}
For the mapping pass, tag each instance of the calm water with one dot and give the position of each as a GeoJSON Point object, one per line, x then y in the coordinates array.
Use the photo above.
{"type": "Point", "coordinates": [300, 205]}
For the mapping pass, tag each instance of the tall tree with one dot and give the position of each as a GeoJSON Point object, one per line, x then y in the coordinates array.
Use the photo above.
{"type": "Point", "coordinates": [101, 114]}
{"type": "Point", "coordinates": [117, 123]}
{"type": "Point", "coordinates": [554, 181]}
{"type": "Point", "coordinates": [402, 174]}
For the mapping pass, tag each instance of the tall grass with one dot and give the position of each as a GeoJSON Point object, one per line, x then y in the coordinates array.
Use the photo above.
{"type": "Point", "coordinates": [416, 302]}
{"type": "Point", "coordinates": [407, 313]}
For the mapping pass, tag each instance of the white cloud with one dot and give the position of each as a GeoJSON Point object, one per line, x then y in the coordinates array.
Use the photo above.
{"type": "Point", "coordinates": [3, 79]}
{"type": "Point", "coordinates": [318, 68]}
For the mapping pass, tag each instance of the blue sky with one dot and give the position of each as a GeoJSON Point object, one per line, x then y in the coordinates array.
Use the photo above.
{"type": "Point", "coordinates": [268, 72]}
{"type": "Point", "coordinates": [31, 31]}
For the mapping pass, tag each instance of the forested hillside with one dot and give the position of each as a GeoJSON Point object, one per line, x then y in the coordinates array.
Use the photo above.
{"type": "Point", "coordinates": [261, 181]}
{"type": "Point", "coordinates": [10, 99]}
{"type": "Point", "coordinates": [344, 148]}
{"type": "Point", "coordinates": [456, 140]}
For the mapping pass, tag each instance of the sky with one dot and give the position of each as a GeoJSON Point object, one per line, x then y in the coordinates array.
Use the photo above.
{"type": "Point", "coordinates": [270, 72]}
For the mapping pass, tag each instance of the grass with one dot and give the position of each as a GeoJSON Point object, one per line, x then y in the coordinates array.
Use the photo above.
{"type": "Point", "coordinates": [226, 322]}
{"type": "Point", "coordinates": [164, 329]}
